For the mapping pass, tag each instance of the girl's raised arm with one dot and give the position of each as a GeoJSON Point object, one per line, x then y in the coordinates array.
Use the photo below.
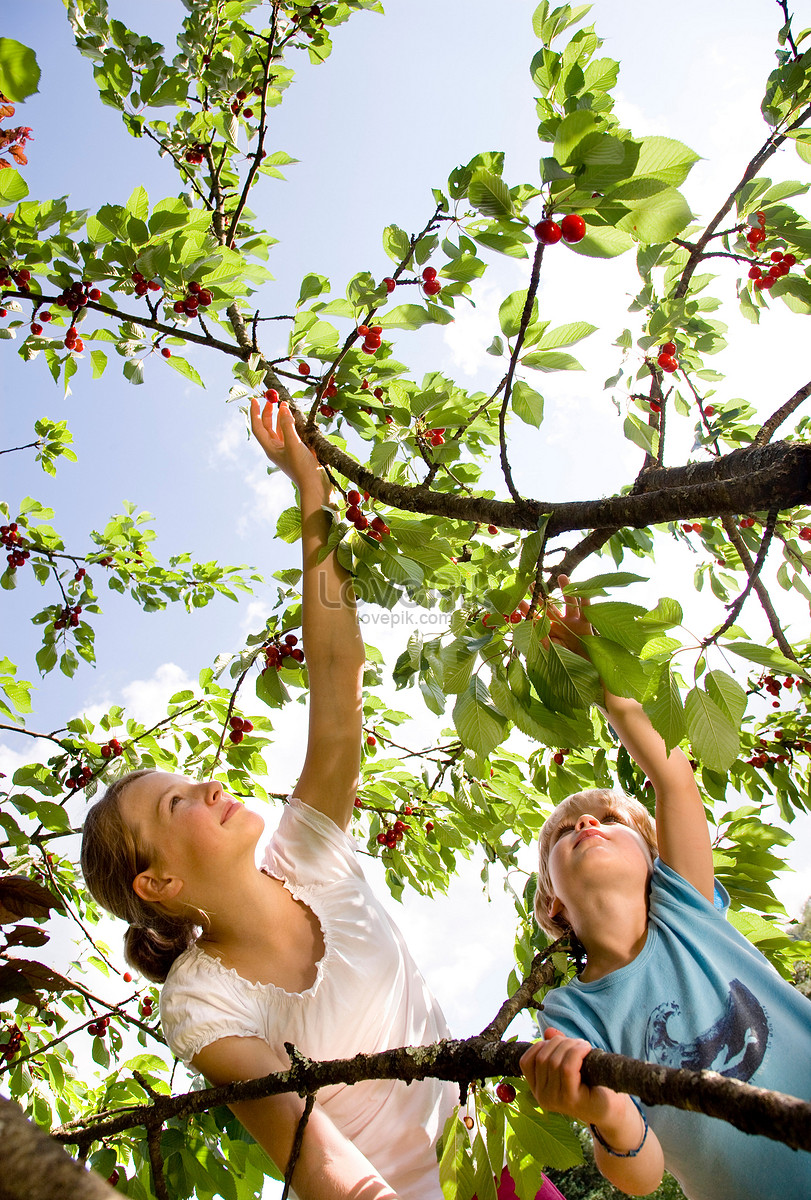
{"type": "Point", "coordinates": [332, 643]}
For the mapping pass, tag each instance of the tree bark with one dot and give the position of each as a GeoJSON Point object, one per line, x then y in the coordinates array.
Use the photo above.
{"type": "Point", "coordinates": [34, 1167]}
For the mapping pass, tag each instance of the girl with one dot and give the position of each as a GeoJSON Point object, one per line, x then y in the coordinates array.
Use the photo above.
{"type": "Point", "coordinates": [298, 950]}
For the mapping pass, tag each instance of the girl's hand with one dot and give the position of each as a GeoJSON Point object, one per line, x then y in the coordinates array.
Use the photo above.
{"type": "Point", "coordinates": [552, 1070]}
{"type": "Point", "coordinates": [286, 450]}
{"type": "Point", "coordinates": [571, 626]}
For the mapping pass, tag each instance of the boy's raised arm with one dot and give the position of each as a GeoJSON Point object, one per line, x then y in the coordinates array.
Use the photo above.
{"type": "Point", "coordinates": [681, 825]}
{"type": "Point", "coordinates": [331, 635]}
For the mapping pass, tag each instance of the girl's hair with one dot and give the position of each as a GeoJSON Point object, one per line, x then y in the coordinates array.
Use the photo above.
{"type": "Point", "coordinates": [112, 856]}
{"type": "Point", "coordinates": [629, 809]}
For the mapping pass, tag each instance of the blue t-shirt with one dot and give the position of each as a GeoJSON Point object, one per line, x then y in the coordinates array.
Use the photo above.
{"type": "Point", "coordinates": [699, 995]}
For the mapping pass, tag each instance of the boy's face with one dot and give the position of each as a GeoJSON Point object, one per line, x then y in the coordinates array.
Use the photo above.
{"type": "Point", "coordinates": [593, 849]}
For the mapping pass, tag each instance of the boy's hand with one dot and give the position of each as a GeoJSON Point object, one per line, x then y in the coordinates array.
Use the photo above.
{"type": "Point", "coordinates": [552, 1070]}
{"type": "Point", "coordinates": [285, 449]}
{"type": "Point", "coordinates": [570, 626]}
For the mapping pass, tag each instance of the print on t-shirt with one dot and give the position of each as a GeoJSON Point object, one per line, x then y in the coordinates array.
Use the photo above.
{"type": "Point", "coordinates": [734, 1045]}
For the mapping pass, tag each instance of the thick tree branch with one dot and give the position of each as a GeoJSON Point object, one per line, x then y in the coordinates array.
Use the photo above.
{"type": "Point", "coordinates": [541, 975]}
{"type": "Point", "coordinates": [751, 1109]}
{"type": "Point", "coordinates": [36, 1168]}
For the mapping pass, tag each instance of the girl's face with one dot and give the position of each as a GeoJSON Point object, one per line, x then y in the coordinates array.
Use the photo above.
{"type": "Point", "coordinates": [593, 848]}
{"type": "Point", "coordinates": [196, 831]}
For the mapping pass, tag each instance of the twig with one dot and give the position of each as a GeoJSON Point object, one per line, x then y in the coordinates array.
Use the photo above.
{"type": "Point", "coordinates": [700, 402]}
{"type": "Point", "coordinates": [762, 594]}
{"type": "Point", "coordinates": [294, 1153]}
{"type": "Point", "coordinates": [27, 446]}
{"type": "Point", "coordinates": [519, 342]}
{"type": "Point", "coordinates": [764, 434]}
{"type": "Point", "coordinates": [153, 1141]}
{"type": "Point", "coordinates": [753, 573]}
{"type": "Point", "coordinates": [540, 974]}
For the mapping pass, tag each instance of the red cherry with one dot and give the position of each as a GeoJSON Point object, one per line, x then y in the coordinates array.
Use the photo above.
{"type": "Point", "coordinates": [432, 288]}
{"type": "Point", "coordinates": [668, 363]}
{"type": "Point", "coordinates": [166, 352]}
{"type": "Point", "coordinates": [290, 639]}
{"type": "Point", "coordinates": [272, 396]}
{"type": "Point", "coordinates": [655, 406]}
{"type": "Point", "coordinates": [113, 1177]}
{"type": "Point", "coordinates": [372, 533]}
{"type": "Point", "coordinates": [697, 527]}
{"type": "Point", "coordinates": [358, 802]}
{"type": "Point", "coordinates": [378, 393]}
{"type": "Point", "coordinates": [353, 497]}
{"type": "Point", "coordinates": [668, 348]}
{"type": "Point", "coordinates": [505, 1092]}
{"type": "Point", "coordinates": [573, 228]}
{"type": "Point", "coordinates": [789, 260]}
{"type": "Point", "coordinates": [548, 232]}
{"type": "Point", "coordinates": [371, 741]}
{"type": "Point", "coordinates": [304, 368]}
{"type": "Point", "coordinates": [776, 256]}
{"type": "Point", "coordinates": [236, 722]}
{"type": "Point", "coordinates": [361, 522]}
{"type": "Point", "coordinates": [380, 525]}
{"type": "Point", "coordinates": [689, 528]}
{"type": "Point", "coordinates": [127, 977]}
{"type": "Point", "coordinates": [381, 839]}
{"type": "Point", "coordinates": [755, 272]}
{"type": "Point", "coordinates": [36, 328]}
{"type": "Point", "coordinates": [805, 533]}
{"type": "Point", "coordinates": [236, 736]}
{"type": "Point", "coordinates": [709, 411]}
{"type": "Point", "coordinates": [428, 274]}
{"type": "Point", "coordinates": [390, 283]}
{"type": "Point", "coordinates": [492, 529]}
{"type": "Point", "coordinates": [429, 825]}
{"type": "Point", "coordinates": [94, 294]}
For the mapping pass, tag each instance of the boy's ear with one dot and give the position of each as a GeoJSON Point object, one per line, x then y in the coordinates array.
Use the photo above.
{"type": "Point", "coordinates": [156, 889]}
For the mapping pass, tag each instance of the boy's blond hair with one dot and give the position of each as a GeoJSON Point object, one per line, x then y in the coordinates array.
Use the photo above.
{"type": "Point", "coordinates": [618, 804]}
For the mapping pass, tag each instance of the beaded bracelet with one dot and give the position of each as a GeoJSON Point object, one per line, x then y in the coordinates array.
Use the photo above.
{"type": "Point", "coordinates": [622, 1153]}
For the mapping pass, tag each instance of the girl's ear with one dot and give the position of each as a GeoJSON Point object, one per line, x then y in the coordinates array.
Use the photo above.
{"type": "Point", "coordinates": [555, 909]}
{"type": "Point", "coordinates": [154, 889]}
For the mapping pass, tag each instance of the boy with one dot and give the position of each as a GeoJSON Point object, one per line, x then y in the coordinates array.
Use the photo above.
{"type": "Point", "coordinates": [666, 979]}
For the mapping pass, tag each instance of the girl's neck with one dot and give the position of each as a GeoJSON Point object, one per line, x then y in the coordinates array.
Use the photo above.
{"type": "Point", "coordinates": [241, 912]}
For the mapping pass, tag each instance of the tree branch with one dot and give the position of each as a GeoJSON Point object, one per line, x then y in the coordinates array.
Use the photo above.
{"type": "Point", "coordinates": [519, 342]}
{"type": "Point", "coordinates": [296, 1150]}
{"type": "Point", "coordinates": [541, 975]}
{"type": "Point", "coordinates": [732, 532]}
{"type": "Point", "coordinates": [153, 1141]}
{"type": "Point", "coordinates": [764, 434]}
{"type": "Point", "coordinates": [753, 572]}
{"type": "Point", "coordinates": [754, 1110]}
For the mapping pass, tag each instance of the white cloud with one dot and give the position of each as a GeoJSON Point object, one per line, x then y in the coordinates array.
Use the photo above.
{"type": "Point", "coordinates": [146, 699]}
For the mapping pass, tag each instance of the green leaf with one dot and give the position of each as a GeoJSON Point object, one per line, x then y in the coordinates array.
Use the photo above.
{"type": "Point", "coordinates": [728, 694]}
{"type": "Point", "coordinates": [396, 243]}
{"type": "Point", "coordinates": [599, 585]}
{"type": "Point", "coordinates": [571, 132]}
{"type": "Point", "coordinates": [99, 361]}
{"type": "Point", "coordinates": [548, 1137]}
{"type": "Point", "coordinates": [603, 241]}
{"type": "Point", "coordinates": [479, 725]}
{"type": "Point", "coordinates": [766, 657]}
{"type": "Point", "coordinates": [527, 403]}
{"type": "Point", "coordinates": [511, 310]}
{"type": "Point", "coordinates": [641, 434]}
{"type": "Point", "coordinates": [566, 335]}
{"type": "Point", "coordinates": [666, 710]}
{"type": "Point", "coordinates": [713, 737]}
{"type": "Point", "coordinates": [412, 316]}
{"type": "Point", "coordinates": [12, 186]}
{"type": "Point", "coordinates": [657, 218]}
{"type": "Point", "coordinates": [551, 360]}
{"type": "Point", "coordinates": [288, 526]}
{"type": "Point", "coordinates": [489, 194]}
{"type": "Point", "coordinates": [138, 204]}
{"type": "Point", "coordinates": [185, 369]}
{"type": "Point", "coordinates": [456, 1174]}
{"type": "Point", "coordinates": [19, 72]}
{"type": "Point", "coordinates": [618, 620]}
{"type": "Point", "coordinates": [665, 159]}
{"type": "Point", "coordinates": [621, 672]}
{"type": "Point", "coordinates": [457, 667]}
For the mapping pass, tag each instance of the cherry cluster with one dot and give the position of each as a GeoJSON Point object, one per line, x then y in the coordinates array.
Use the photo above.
{"type": "Point", "coordinates": [146, 1006]}
{"type": "Point", "coordinates": [69, 615]}
{"type": "Point", "coordinates": [107, 561]}
{"type": "Point", "coordinates": [13, 542]}
{"type": "Point", "coordinates": [239, 100]}
{"type": "Point", "coordinates": [19, 276]}
{"type": "Point", "coordinates": [196, 297]}
{"type": "Point", "coordinates": [376, 529]}
{"type": "Point", "coordinates": [79, 778]}
{"type": "Point", "coordinates": [436, 436]}
{"type": "Point", "coordinates": [99, 1028]}
{"type": "Point", "coordinates": [492, 621]}
{"type": "Point", "coordinates": [667, 360]}
{"type": "Point", "coordinates": [278, 653]}
{"type": "Point", "coordinates": [560, 755]}
{"type": "Point", "coordinates": [781, 264]}
{"type": "Point", "coordinates": [757, 231]}
{"type": "Point", "coordinates": [572, 229]}
{"type": "Point", "coordinates": [394, 834]}
{"type": "Point", "coordinates": [372, 338]}
{"type": "Point", "coordinates": [13, 1043]}
{"type": "Point", "coordinates": [113, 749]}
{"type": "Point", "coordinates": [194, 153]}
{"type": "Point", "coordinates": [430, 284]}
{"type": "Point", "coordinates": [239, 727]}
{"type": "Point", "coordinates": [761, 758]}
{"type": "Point", "coordinates": [144, 285]}
{"type": "Point", "coordinates": [773, 685]}
{"type": "Point", "coordinates": [694, 527]}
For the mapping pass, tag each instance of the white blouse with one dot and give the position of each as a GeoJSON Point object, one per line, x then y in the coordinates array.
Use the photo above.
{"type": "Point", "coordinates": [367, 996]}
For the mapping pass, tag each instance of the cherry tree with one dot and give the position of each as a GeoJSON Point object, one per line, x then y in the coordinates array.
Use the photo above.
{"type": "Point", "coordinates": [433, 517]}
